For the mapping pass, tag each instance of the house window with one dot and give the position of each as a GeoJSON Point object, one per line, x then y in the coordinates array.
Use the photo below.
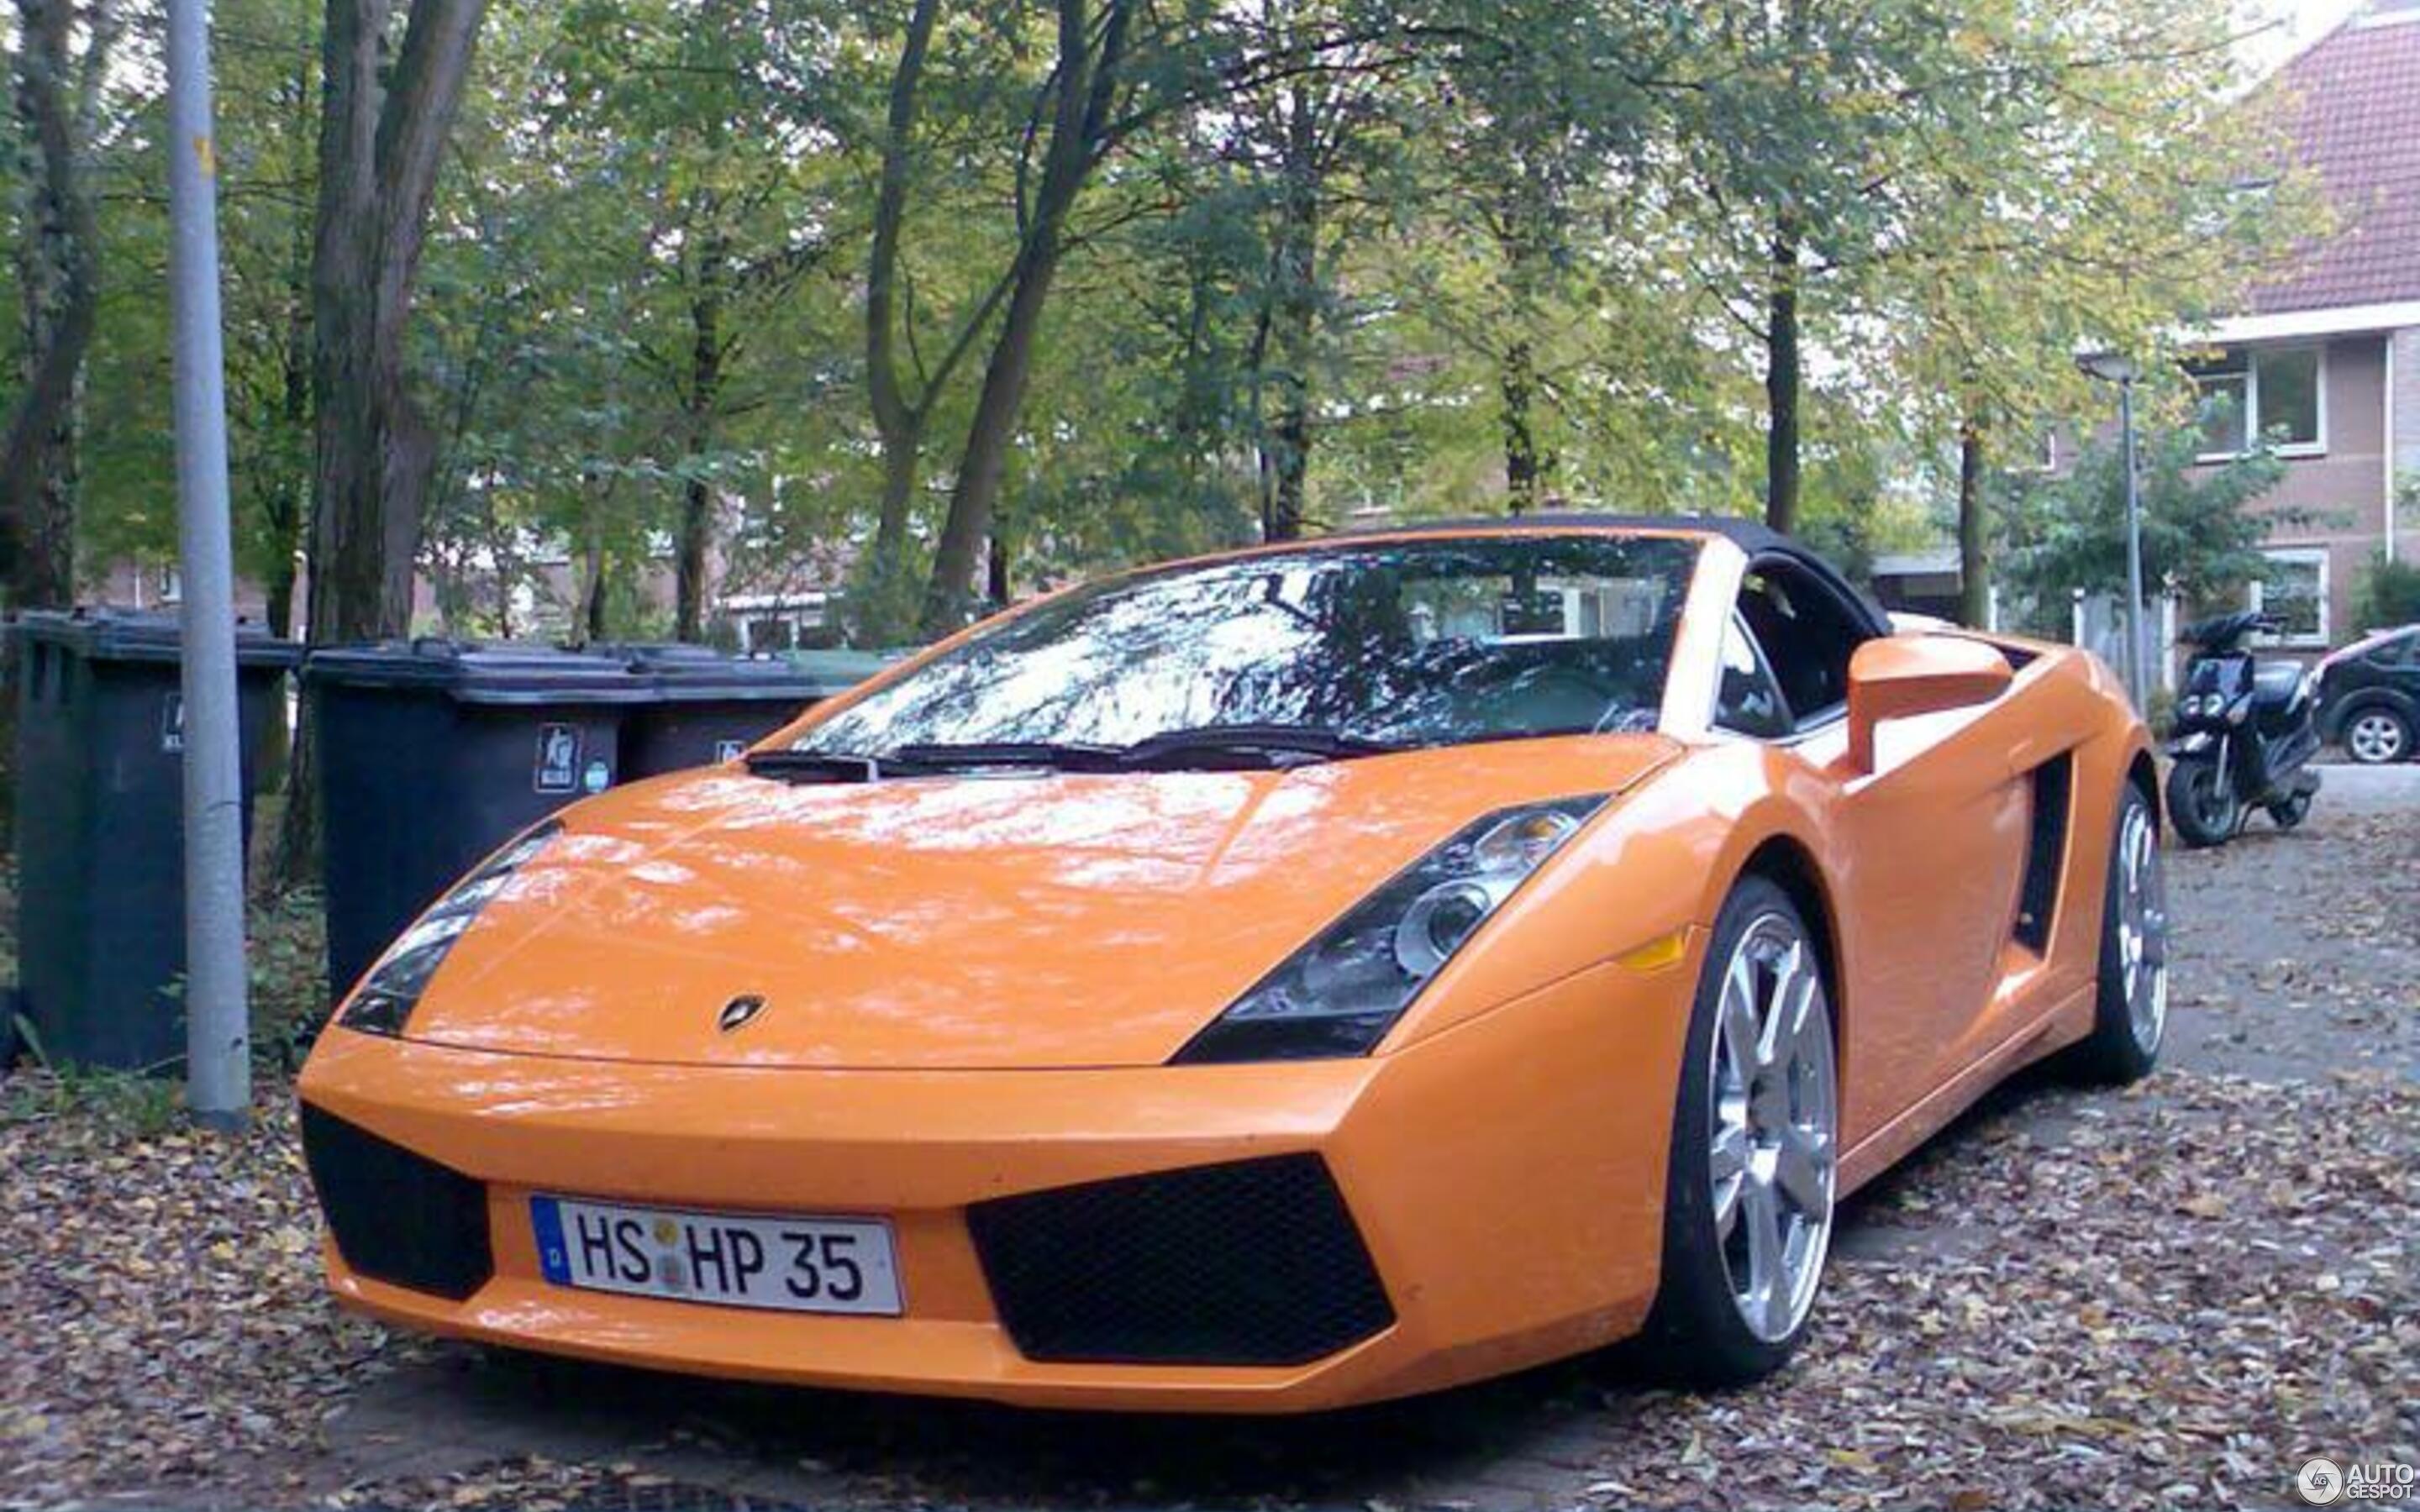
{"type": "Point", "coordinates": [2295, 594]}
{"type": "Point", "coordinates": [2285, 396]}
{"type": "Point", "coordinates": [2275, 397]}
{"type": "Point", "coordinates": [2224, 404]}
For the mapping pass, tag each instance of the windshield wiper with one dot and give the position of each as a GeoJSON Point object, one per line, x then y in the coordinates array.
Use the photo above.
{"type": "Point", "coordinates": [1222, 746]}
{"type": "Point", "coordinates": [794, 766]}
{"type": "Point", "coordinates": [1255, 745]}
{"type": "Point", "coordinates": [1048, 755]}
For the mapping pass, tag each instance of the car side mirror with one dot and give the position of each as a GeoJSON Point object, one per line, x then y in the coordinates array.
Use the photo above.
{"type": "Point", "coordinates": [1894, 676]}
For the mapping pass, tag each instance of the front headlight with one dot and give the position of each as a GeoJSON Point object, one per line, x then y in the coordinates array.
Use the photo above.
{"type": "Point", "coordinates": [392, 988]}
{"type": "Point", "coordinates": [1337, 996]}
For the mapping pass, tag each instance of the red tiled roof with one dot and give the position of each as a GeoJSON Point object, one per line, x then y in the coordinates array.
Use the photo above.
{"type": "Point", "coordinates": [2354, 101]}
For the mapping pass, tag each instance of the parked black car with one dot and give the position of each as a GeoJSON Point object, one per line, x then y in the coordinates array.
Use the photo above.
{"type": "Point", "coordinates": [2370, 697]}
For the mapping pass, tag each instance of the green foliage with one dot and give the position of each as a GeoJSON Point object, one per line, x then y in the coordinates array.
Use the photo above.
{"type": "Point", "coordinates": [2065, 534]}
{"type": "Point", "coordinates": [1405, 251]}
{"type": "Point", "coordinates": [126, 1102]}
{"type": "Point", "coordinates": [2388, 594]}
{"type": "Point", "coordinates": [287, 950]}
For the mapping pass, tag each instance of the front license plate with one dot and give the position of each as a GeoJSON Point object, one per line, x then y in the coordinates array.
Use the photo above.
{"type": "Point", "coordinates": [798, 1265]}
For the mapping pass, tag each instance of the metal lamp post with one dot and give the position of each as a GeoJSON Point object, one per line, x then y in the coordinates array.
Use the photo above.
{"type": "Point", "coordinates": [218, 1060]}
{"type": "Point", "coordinates": [2113, 367]}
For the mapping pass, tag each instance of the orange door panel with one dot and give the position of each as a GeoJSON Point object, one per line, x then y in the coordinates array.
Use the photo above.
{"type": "Point", "coordinates": [1934, 850]}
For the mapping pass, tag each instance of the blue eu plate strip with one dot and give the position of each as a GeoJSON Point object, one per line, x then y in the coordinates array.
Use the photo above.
{"type": "Point", "coordinates": [551, 1255]}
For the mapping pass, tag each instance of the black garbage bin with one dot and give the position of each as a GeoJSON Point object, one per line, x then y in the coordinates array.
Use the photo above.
{"type": "Point", "coordinates": [708, 705]}
{"type": "Point", "coordinates": [431, 753]}
{"type": "Point", "coordinates": [100, 837]}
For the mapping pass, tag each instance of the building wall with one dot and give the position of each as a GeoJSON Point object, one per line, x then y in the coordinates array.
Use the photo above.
{"type": "Point", "coordinates": [2407, 418]}
{"type": "Point", "coordinates": [2341, 493]}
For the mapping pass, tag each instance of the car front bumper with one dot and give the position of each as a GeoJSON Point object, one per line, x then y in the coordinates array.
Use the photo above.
{"type": "Point", "coordinates": [1505, 1178]}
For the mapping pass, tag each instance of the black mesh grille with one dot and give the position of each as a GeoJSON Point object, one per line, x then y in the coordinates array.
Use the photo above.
{"type": "Point", "coordinates": [1255, 1263]}
{"type": "Point", "coordinates": [397, 1217]}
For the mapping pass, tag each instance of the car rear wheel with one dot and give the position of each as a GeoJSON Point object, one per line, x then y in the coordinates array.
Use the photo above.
{"type": "Point", "coordinates": [2131, 1004]}
{"type": "Point", "coordinates": [1749, 1199]}
{"type": "Point", "coordinates": [2376, 736]}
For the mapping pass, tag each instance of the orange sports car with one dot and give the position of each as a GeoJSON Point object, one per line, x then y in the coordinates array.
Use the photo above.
{"type": "Point", "coordinates": [1298, 977]}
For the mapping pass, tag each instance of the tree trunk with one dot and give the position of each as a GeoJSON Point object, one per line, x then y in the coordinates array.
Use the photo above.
{"type": "Point", "coordinates": [286, 504]}
{"type": "Point", "coordinates": [1294, 322]}
{"type": "Point", "coordinates": [705, 399]}
{"type": "Point", "coordinates": [1974, 528]}
{"type": "Point", "coordinates": [896, 421]}
{"type": "Point", "coordinates": [380, 148]}
{"type": "Point", "coordinates": [1289, 462]}
{"type": "Point", "coordinates": [591, 617]}
{"type": "Point", "coordinates": [1525, 469]}
{"type": "Point", "coordinates": [378, 155]}
{"type": "Point", "coordinates": [1087, 88]}
{"type": "Point", "coordinates": [58, 271]}
{"type": "Point", "coordinates": [1781, 382]}
{"type": "Point", "coordinates": [996, 583]}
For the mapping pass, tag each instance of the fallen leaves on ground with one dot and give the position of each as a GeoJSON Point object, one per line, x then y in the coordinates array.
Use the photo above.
{"type": "Point", "coordinates": [161, 1316]}
{"type": "Point", "coordinates": [2176, 1299]}
{"type": "Point", "coordinates": [2167, 1296]}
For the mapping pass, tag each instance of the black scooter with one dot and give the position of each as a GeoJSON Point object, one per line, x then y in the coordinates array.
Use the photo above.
{"type": "Point", "coordinates": [2245, 735]}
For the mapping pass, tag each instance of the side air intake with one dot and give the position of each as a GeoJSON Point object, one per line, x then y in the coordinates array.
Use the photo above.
{"type": "Point", "coordinates": [2046, 854]}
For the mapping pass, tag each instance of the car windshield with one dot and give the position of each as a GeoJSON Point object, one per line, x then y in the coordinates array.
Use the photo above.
{"type": "Point", "coordinates": [1386, 642]}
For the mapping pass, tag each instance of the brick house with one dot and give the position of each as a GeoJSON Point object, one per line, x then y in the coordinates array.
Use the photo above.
{"type": "Point", "coordinates": [2326, 359]}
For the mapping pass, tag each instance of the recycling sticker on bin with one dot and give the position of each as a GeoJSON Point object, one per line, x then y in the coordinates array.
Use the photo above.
{"type": "Point", "coordinates": [558, 758]}
{"type": "Point", "coordinates": [172, 724]}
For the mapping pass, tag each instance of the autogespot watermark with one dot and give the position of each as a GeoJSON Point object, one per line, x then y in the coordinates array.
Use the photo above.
{"type": "Point", "coordinates": [2325, 1483]}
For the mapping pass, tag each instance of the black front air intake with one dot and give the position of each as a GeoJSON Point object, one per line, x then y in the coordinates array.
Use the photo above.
{"type": "Point", "coordinates": [397, 1217]}
{"type": "Point", "coordinates": [1252, 1263]}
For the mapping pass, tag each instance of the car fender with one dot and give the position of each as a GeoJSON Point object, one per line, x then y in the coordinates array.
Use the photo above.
{"type": "Point", "coordinates": [1640, 886]}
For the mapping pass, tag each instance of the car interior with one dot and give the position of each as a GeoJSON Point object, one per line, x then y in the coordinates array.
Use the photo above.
{"type": "Point", "coordinates": [1786, 657]}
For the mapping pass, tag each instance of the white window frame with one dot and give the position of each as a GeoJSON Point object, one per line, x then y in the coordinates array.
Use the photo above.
{"type": "Point", "coordinates": [2253, 429]}
{"type": "Point", "coordinates": [2257, 593]}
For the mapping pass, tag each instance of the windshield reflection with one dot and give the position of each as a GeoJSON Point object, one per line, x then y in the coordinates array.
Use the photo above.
{"type": "Point", "coordinates": [1407, 642]}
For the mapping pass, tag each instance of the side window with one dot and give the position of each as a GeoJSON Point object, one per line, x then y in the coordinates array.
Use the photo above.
{"type": "Point", "coordinates": [1807, 635]}
{"type": "Point", "coordinates": [1748, 700]}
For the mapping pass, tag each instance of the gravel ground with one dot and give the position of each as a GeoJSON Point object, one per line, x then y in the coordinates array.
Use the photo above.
{"type": "Point", "coordinates": [2171, 1296]}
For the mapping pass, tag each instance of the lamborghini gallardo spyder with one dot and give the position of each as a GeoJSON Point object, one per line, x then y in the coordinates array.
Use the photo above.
{"type": "Point", "coordinates": [1314, 974]}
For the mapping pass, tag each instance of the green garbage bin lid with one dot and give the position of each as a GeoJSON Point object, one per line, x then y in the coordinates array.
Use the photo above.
{"type": "Point", "coordinates": [680, 673]}
{"type": "Point", "coordinates": [475, 672]}
{"type": "Point", "coordinates": [840, 671]}
{"type": "Point", "coordinates": [142, 634]}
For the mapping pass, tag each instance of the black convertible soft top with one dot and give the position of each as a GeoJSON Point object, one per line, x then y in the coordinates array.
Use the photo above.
{"type": "Point", "coordinates": [1759, 540]}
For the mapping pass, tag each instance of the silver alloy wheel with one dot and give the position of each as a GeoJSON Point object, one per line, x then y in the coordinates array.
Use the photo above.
{"type": "Point", "coordinates": [1773, 1156]}
{"type": "Point", "coordinates": [2375, 737]}
{"type": "Point", "coordinates": [2142, 928]}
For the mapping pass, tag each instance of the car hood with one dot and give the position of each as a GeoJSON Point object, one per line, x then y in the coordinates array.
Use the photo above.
{"type": "Point", "coordinates": [1050, 920]}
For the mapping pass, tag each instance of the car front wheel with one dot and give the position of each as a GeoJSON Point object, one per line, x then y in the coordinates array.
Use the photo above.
{"type": "Point", "coordinates": [2204, 808]}
{"type": "Point", "coordinates": [1749, 1199]}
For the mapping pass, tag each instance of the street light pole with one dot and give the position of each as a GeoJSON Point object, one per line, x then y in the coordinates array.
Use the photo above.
{"type": "Point", "coordinates": [218, 1042]}
{"type": "Point", "coordinates": [2137, 669]}
{"type": "Point", "coordinates": [2113, 367]}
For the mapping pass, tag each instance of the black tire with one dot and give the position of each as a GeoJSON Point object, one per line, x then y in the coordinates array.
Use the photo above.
{"type": "Point", "coordinates": [1696, 1335]}
{"type": "Point", "coordinates": [2120, 1049]}
{"type": "Point", "coordinates": [2376, 735]}
{"type": "Point", "coordinates": [2288, 812]}
{"type": "Point", "coordinates": [2201, 812]}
